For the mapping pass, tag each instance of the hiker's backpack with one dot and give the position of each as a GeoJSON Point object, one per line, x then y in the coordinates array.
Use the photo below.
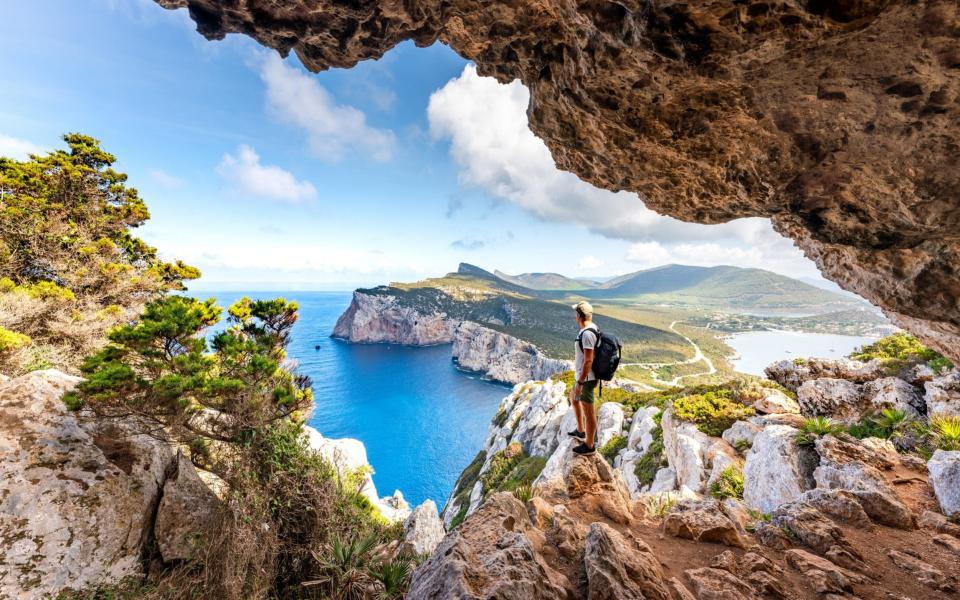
{"type": "Point", "coordinates": [606, 355]}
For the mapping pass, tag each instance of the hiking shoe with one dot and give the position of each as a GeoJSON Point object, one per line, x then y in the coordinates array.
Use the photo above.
{"type": "Point", "coordinates": [576, 433]}
{"type": "Point", "coordinates": [584, 450]}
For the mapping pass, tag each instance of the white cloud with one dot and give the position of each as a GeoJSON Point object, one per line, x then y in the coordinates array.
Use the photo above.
{"type": "Point", "coordinates": [590, 263]}
{"type": "Point", "coordinates": [164, 179]}
{"type": "Point", "coordinates": [15, 148]}
{"type": "Point", "coordinates": [245, 174]}
{"type": "Point", "coordinates": [333, 130]}
{"type": "Point", "coordinates": [486, 124]}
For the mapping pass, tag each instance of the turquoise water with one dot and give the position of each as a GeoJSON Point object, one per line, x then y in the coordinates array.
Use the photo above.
{"type": "Point", "coordinates": [421, 419]}
{"type": "Point", "coordinates": [757, 349]}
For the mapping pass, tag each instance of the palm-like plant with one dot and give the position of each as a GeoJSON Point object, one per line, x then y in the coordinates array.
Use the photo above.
{"type": "Point", "coordinates": [344, 568]}
{"type": "Point", "coordinates": [946, 432]}
{"type": "Point", "coordinates": [892, 421]}
{"type": "Point", "coordinates": [814, 427]}
{"type": "Point", "coordinates": [393, 575]}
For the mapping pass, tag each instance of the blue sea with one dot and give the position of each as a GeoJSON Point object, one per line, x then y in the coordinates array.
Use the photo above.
{"type": "Point", "coordinates": [421, 419]}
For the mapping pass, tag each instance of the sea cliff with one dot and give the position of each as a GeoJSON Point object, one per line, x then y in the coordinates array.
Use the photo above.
{"type": "Point", "coordinates": [382, 318]}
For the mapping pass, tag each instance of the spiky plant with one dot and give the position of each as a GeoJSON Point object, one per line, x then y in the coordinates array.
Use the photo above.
{"type": "Point", "coordinates": [393, 575]}
{"type": "Point", "coordinates": [815, 427]}
{"type": "Point", "coordinates": [945, 432]}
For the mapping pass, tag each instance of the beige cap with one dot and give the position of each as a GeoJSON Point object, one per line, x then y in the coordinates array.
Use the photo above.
{"type": "Point", "coordinates": [584, 307]}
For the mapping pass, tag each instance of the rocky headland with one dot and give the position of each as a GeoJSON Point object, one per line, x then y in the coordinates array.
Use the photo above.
{"type": "Point", "coordinates": [384, 318]}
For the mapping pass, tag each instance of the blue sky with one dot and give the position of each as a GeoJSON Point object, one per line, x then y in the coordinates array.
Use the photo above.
{"type": "Point", "coordinates": [269, 177]}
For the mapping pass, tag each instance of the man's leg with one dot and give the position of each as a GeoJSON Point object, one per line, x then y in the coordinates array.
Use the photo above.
{"type": "Point", "coordinates": [578, 412]}
{"type": "Point", "coordinates": [590, 423]}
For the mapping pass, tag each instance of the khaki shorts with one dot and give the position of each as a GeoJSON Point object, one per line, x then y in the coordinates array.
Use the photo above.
{"type": "Point", "coordinates": [588, 391]}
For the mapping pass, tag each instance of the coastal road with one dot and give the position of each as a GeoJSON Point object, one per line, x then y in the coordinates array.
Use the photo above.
{"type": "Point", "coordinates": [698, 356]}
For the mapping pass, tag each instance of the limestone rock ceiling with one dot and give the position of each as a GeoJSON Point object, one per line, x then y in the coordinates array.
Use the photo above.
{"type": "Point", "coordinates": [837, 119]}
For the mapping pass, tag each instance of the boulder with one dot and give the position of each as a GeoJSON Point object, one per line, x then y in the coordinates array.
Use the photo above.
{"type": "Point", "coordinates": [685, 446]}
{"type": "Point", "coordinates": [538, 409]}
{"type": "Point", "coordinates": [788, 419]}
{"type": "Point", "coordinates": [875, 495]}
{"type": "Point", "coordinates": [187, 508]}
{"type": "Point", "coordinates": [923, 571]}
{"type": "Point", "coordinates": [876, 452]}
{"type": "Point", "coordinates": [552, 473]}
{"type": "Point", "coordinates": [894, 393]}
{"type": "Point", "coordinates": [934, 521]}
{"type": "Point", "coordinates": [709, 583]}
{"type": "Point", "coordinates": [423, 530]}
{"type": "Point", "coordinates": [838, 399]}
{"type": "Point", "coordinates": [942, 395]}
{"type": "Point", "coordinates": [495, 554]}
{"type": "Point", "coordinates": [598, 487]}
{"type": "Point", "coordinates": [626, 463]}
{"type": "Point", "coordinates": [609, 422]}
{"type": "Point", "coordinates": [777, 470]}
{"type": "Point", "coordinates": [741, 434]}
{"type": "Point", "coordinates": [822, 575]}
{"type": "Point", "coordinates": [641, 429]}
{"type": "Point", "coordinates": [617, 568]}
{"type": "Point", "coordinates": [947, 541]}
{"type": "Point", "coordinates": [566, 533]}
{"type": "Point", "coordinates": [944, 470]}
{"type": "Point", "coordinates": [665, 480]}
{"type": "Point", "coordinates": [720, 455]}
{"type": "Point", "coordinates": [77, 501]}
{"type": "Point", "coordinates": [702, 521]}
{"type": "Point", "coordinates": [809, 526]}
{"type": "Point", "coordinates": [918, 375]}
{"type": "Point", "coordinates": [792, 374]}
{"type": "Point", "coordinates": [774, 401]}
{"type": "Point", "coordinates": [842, 506]}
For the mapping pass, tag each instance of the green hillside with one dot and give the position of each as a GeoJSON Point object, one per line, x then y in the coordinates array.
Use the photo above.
{"type": "Point", "coordinates": [724, 286]}
{"type": "Point", "coordinates": [546, 281]}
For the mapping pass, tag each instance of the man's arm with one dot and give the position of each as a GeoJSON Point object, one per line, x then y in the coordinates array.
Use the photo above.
{"type": "Point", "coordinates": [587, 364]}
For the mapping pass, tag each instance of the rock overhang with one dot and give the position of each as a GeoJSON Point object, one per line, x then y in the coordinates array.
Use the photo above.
{"type": "Point", "coordinates": [839, 121]}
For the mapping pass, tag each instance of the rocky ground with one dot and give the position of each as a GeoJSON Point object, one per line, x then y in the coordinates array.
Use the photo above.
{"type": "Point", "coordinates": [826, 516]}
{"type": "Point", "coordinates": [84, 504]}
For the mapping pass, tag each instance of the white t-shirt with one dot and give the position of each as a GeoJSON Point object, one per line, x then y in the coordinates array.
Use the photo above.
{"type": "Point", "coordinates": [589, 340]}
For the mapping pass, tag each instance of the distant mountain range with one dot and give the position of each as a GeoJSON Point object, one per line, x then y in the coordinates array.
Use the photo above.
{"type": "Point", "coordinates": [719, 287]}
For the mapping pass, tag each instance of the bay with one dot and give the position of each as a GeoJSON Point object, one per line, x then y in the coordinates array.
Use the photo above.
{"type": "Point", "coordinates": [757, 349]}
{"type": "Point", "coordinates": [421, 419]}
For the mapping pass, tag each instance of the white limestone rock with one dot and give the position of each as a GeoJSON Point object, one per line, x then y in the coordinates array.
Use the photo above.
{"type": "Point", "coordinates": [685, 446]}
{"type": "Point", "coordinates": [552, 472]}
{"type": "Point", "coordinates": [348, 457]}
{"type": "Point", "coordinates": [186, 508]}
{"type": "Point", "coordinates": [720, 455]}
{"type": "Point", "coordinates": [792, 374]}
{"type": "Point", "coordinates": [895, 393]}
{"type": "Point", "coordinates": [609, 422]}
{"type": "Point", "coordinates": [944, 470]}
{"type": "Point", "coordinates": [641, 428]}
{"type": "Point", "coordinates": [776, 469]}
{"type": "Point", "coordinates": [775, 401]}
{"type": "Point", "coordinates": [942, 395]}
{"type": "Point", "coordinates": [500, 356]}
{"type": "Point", "coordinates": [664, 481]}
{"type": "Point", "coordinates": [742, 433]}
{"type": "Point", "coordinates": [835, 398]}
{"type": "Point", "coordinates": [423, 530]}
{"type": "Point", "coordinates": [873, 492]}
{"type": "Point", "coordinates": [375, 318]}
{"type": "Point", "coordinates": [76, 501]}
{"type": "Point", "coordinates": [919, 374]}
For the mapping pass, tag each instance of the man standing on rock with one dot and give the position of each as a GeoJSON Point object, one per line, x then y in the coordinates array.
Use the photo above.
{"type": "Point", "coordinates": [585, 383]}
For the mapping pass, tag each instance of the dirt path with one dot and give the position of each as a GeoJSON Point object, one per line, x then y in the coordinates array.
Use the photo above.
{"type": "Point", "coordinates": [698, 356]}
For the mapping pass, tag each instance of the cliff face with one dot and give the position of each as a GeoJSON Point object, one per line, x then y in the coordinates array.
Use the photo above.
{"type": "Point", "coordinates": [381, 318]}
{"type": "Point", "coordinates": [838, 120]}
{"type": "Point", "coordinates": [500, 356]}
{"type": "Point", "coordinates": [374, 318]}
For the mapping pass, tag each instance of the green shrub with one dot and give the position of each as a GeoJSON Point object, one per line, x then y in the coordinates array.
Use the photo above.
{"type": "Point", "coordinates": [11, 340]}
{"type": "Point", "coordinates": [509, 469]}
{"type": "Point", "coordinates": [464, 486]}
{"type": "Point", "coordinates": [742, 445]}
{"type": "Point", "coordinates": [888, 424]}
{"type": "Point", "coordinates": [610, 450]}
{"type": "Point", "coordinates": [899, 350]}
{"type": "Point", "coordinates": [814, 427]}
{"type": "Point", "coordinates": [945, 432]}
{"type": "Point", "coordinates": [729, 484]}
{"type": "Point", "coordinates": [660, 504]}
{"type": "Point", "coordinates": [713, 412]}
{"type": "Point", "coordinates": [523, 493]}
{"type": "Point", "coordinates": [500, 418]}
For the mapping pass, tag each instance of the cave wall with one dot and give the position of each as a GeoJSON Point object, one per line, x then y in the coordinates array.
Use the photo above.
{"type": "Point", "coordinates": [838, 119]}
